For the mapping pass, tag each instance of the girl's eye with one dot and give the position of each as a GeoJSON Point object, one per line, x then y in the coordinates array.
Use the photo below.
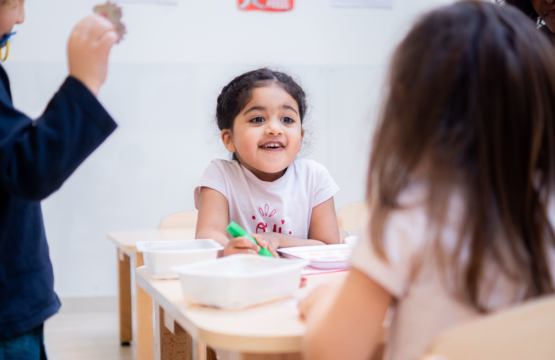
{"type": "Point", "coordinates": [257, 120]}
{"type": "Point", "coordinates": [288, 120]}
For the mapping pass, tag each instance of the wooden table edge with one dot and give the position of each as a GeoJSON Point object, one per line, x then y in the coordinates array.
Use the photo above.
{"type": "Point", "coordinates": [216, 340]}
{"type": "Point", "coordinates": [130, 249]}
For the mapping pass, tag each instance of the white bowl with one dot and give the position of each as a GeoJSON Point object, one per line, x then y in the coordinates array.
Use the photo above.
{"type": "Point", "coordinates": [161, 256]}
{"type": "Point", "coordinates": [240, 281]}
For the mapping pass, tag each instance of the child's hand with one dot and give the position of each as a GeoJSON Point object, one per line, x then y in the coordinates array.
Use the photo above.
{"type": "Point", "coordinates": [88, 50]}
{"type": "Point", "coordinates": [241, 245]}
{"type": "Point", "coordinates": [268, 240]}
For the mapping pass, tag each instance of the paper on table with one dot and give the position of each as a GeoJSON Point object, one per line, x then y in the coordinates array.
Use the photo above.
{"type": "Point", "coordinates": [387, 4]}
{"type": "Point", "coordinates": [309, 270]}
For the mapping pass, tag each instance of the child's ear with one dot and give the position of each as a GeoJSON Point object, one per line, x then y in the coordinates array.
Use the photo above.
{"type": "Point", "coordinates": [302, 134]}
{"type": "Point", "coordinates": [227, 139]}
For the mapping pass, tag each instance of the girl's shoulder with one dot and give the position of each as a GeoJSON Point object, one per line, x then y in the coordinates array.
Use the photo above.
{"type": "Point", "coordinates": [224, 165]}
{"type": "Point", "coordinates": [309, 166]}
{"type": "Point", "coordinates": [220, 170]}
{"type": "Point", "coordinates": [317, 179]}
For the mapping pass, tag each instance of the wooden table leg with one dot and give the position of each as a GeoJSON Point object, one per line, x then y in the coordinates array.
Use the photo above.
{"type": "Point", "coordinates": [125, 323]}
{"type": "Point", "coordinates": [172, 341]}
{"type": "Point", "coordinates": [199, 351]}
{"type": "Point", "coordinates": [144, 308]}
{"type": "Point", "coordinates": [203, 352]}
{"type": "Point", "coordinates": [210, 354]}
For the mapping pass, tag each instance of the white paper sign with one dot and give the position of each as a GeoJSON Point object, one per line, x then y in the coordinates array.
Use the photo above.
{"type": "Point", "coordinates": [387, 4]}
{"type": "Point", "coordinates": [174, 2]}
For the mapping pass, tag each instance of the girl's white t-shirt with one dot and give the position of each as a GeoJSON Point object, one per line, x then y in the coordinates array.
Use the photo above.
{"type": "Point", "coordinates": [283, 206]}
{"type": "Point", "coordinates": [424, 306]}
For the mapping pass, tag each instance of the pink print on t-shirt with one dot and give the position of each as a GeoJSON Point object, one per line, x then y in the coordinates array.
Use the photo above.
{"type": "Point", "coordinates": [305, 185]}
{"type": "Point", "coordinates": [264, 226]}
{"type": "Point", "coordinates": [265, 213]}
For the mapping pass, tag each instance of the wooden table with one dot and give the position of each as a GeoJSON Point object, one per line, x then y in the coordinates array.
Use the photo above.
{"type": "Point", "coordinates": [125, 242]}
{"type": "Point", "coordinates": [182, 330]}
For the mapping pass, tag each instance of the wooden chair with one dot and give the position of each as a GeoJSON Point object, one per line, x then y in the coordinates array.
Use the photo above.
{"type": "Point", "coordinates": [342, 235]}
{"type": "Point", "coordinates": [353, 216]}
{"type": "Point", "coordinates": [181, 220]}
{"type": "Point", "coordinates": [524, 332]}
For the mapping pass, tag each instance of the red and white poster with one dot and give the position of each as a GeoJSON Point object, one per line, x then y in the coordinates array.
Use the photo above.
{"type": "Point", "coordinates": [387, 4]}
{"type": "Point", "coordinates": [266, 5]}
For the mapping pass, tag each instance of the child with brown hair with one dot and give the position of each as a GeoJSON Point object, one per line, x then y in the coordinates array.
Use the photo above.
{"type": "Point", "coordinates": [460, 187]}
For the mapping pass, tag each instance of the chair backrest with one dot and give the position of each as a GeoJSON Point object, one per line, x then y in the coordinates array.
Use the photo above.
{"type": "Point", "coordinates": [182, 220]}
{"type": "Point", "coordinates": [353, 216]}
{"type": "Point", "coordinates": [342, 235]}
{"type": "Point", "coordinates": [523, 332]}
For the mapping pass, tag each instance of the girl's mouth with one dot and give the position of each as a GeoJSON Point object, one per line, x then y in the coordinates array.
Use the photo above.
{"type": "Point", "coordinates": [272, 146]}
{"type": "Point", "coordinates": [550, 13]}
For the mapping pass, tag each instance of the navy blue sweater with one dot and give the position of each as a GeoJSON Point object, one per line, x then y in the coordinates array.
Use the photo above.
{"type": "Point", "coordinates": [36, 157]}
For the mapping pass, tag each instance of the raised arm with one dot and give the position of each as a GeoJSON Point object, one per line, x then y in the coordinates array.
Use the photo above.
{"type": "Point", "coordinates": [36, 157]}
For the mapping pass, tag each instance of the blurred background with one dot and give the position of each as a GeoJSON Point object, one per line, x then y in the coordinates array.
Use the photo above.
{"type": "Point", "coordinates": [162, 86]}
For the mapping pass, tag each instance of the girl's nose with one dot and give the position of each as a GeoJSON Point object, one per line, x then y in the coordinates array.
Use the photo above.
{"type": "Point", "coordinates": [549, 1]}
{"type": "Point", "coordinates": [21, 15]}
{"type": "Point", "coordinates": [274, 127]}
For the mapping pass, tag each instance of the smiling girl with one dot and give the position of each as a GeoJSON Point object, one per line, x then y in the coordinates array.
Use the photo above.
{"type": "Point", "coordinates": [283, 201]}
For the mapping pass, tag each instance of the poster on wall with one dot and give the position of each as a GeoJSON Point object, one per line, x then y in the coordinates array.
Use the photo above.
{"type": "Point", "coordinates": [384, 4]}
{"type": "Point", "coordinates": [266, 5]}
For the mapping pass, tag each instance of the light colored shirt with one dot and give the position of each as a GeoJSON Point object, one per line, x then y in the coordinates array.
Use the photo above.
{"type": "Point", "coordinates": [282, 206]}
{"type": "Point", "coordinates": [425, 305]}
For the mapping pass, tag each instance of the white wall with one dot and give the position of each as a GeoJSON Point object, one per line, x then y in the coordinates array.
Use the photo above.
{"type": "Point", "coordinates": [162, 88]}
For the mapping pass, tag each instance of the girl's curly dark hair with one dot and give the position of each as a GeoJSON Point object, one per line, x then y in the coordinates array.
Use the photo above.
{"type": "Point", "coordinates": [525, 6]}
{"type": "Point", "coordinates": [235, 95]}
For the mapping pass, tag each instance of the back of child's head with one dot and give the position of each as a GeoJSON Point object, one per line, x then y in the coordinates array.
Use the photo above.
{"type": "Point", "coordinates": [471, 108]}
{"type": "Point", "coordinates": [235, 95]}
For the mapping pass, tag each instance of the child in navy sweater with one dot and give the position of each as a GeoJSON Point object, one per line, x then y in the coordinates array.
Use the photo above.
{"type": "Point", "coordinates": [36, 157]}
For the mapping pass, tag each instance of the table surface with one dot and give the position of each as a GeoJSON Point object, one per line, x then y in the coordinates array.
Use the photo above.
{"type": "Point", "coordinates": [126, 240]}
{"type": "Point", "coordinates": [273, 327]}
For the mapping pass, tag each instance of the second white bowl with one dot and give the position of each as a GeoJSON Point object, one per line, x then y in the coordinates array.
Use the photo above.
{"type": "Point", "coordinates": [161, 256]}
